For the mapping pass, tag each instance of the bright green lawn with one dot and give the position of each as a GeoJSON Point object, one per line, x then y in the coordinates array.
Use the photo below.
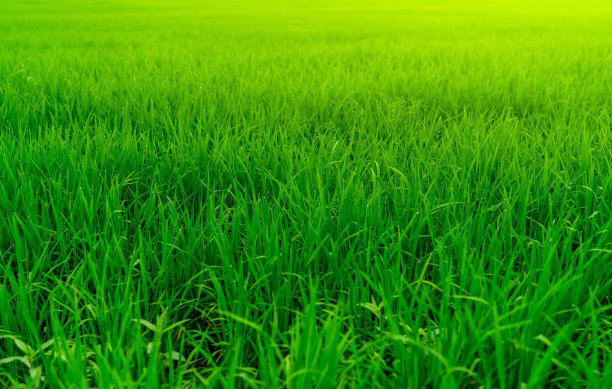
{"type": "Point", "coordinates": [323, 194]}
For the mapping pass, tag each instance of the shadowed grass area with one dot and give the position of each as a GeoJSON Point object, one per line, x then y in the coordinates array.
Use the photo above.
{"type": "Point", "coordinates": [299, 195]}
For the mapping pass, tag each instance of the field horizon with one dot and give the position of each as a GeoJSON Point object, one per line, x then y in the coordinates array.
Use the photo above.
{"type": "Point", "coordinates": [305, 194]}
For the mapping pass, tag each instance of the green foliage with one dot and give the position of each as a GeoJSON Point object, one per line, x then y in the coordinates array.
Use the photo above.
{"type": "Point", "coordinates": [305, 195]}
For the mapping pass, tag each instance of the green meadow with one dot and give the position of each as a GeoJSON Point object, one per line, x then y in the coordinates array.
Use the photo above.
{"type": "Point", "coordinates": [323, 194]}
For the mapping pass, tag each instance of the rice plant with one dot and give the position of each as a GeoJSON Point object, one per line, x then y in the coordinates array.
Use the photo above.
{"type": "Point", "coordinates": [322, 194]}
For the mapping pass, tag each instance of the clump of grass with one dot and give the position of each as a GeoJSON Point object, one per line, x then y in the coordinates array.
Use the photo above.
{"type": "Point", "coordinates": [321, 195]}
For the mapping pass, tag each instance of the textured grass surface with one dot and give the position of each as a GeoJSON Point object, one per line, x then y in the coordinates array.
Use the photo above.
{"type": "Point", "coordinates": [309, 195]}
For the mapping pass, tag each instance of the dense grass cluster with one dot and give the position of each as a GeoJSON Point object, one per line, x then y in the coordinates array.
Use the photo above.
{"type": "Point", "coordinates": [332, 194]}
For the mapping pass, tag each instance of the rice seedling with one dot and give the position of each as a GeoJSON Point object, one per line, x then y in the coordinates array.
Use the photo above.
{"type": "Point", "coordinates": [305, 194]}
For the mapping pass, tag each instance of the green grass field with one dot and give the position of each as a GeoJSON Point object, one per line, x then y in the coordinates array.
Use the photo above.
{"type": "Point", "coordinates": [305, 194]}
